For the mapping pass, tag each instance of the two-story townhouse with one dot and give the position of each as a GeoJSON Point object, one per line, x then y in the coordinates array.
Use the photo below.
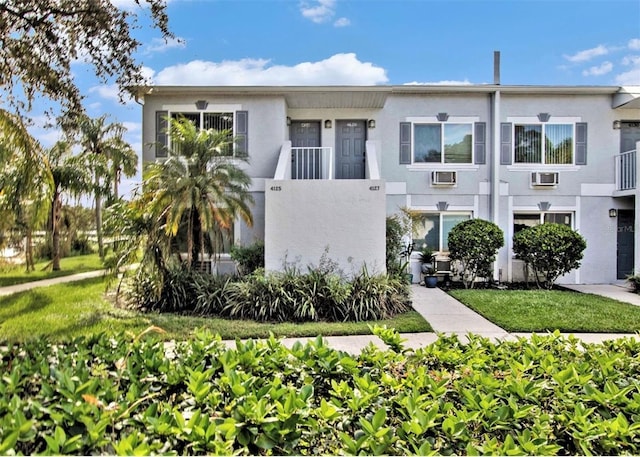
{"type": "Point", "coordinates": [330, 163]}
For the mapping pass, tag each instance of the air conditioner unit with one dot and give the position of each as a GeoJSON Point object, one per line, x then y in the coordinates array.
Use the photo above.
{"type": "Point", "coordinates": [443, 178]}
{"type": "Point", "coordinates": [539, 178]}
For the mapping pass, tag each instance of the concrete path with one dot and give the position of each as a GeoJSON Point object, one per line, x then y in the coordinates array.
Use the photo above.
{"type": "Point", "coordinates": [620, 292]}
{"type": "Point", "coordinates": [8, 290]}
{"type": "Point", "coordinates": [445, 314]}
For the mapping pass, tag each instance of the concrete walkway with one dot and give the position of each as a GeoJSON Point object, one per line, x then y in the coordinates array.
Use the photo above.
{"type": "Point", "coordinates": [445, 314]}
{"type": "Point", "coordinates": [8, 290]}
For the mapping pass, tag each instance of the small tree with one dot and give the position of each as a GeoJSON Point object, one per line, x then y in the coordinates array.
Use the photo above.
{"type": "Point", "coordinates": [551, 250]}
{"type": "Point", "coordinates": [475, 243]}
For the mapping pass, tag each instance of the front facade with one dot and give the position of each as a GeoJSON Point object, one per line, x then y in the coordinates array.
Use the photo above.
{"type": "Point", "coordinates": [329, 163]}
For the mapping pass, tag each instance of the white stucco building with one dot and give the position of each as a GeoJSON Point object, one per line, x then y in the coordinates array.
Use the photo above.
{"type": "Point", "coordinates": [329, 163]}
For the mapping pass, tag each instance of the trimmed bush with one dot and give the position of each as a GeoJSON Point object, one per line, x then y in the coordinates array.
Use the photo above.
{"type": "Point", "coordinates": [475, 243]}
{"type": "Point", "coordinates": [248, 258]}
{"type": "Point", "coordinates": [550, 250]}
{"type": "Point", "coordinates": [119, 395]}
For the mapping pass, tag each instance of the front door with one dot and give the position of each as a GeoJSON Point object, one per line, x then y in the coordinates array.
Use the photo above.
{"type": "Point", "coordinates": [350, 148]}
{"type": "Point", "coordinates": [306, 159]}
{"type": "Point", "coordinates": [625, 242]}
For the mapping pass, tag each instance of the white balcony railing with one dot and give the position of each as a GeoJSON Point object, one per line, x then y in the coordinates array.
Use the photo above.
{"type": "Point", "coordinates": [312, 163]}
{"type": "Point", "coordinates": [626, 170]}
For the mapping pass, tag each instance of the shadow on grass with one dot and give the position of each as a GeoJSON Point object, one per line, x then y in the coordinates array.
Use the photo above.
{"type": "Point", "coordinates": [20, 304]}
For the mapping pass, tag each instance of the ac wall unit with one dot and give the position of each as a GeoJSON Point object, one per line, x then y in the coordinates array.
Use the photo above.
{"type": "Point", "coordinates": [539, 178]}
{"type": "Point", "coordinates": [443, 178]}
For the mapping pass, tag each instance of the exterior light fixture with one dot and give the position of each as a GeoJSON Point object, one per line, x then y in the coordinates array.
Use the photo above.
{"type": "Point", "coordinates": [617, 125]}
{"type": "Point", "coordinates": [288, 120]}
{"type": "Point", "coordinates": [613, 212]}
{"type": "Point", "coordinates": [327, 124]}
{"type": "Point", "coordinates": [371, 124]}
{"type": "Point", "coordinates": [202, 104]}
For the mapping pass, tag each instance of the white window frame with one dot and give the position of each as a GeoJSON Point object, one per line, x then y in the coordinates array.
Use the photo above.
{"type": "Point", "coordinates": [442, 165]}
{"type": "Point", "coordinates": [441, 241]}
{"type": "Point", "coordinates": [201, 114]}
{"type": "Point", "coordinates": [541, 215]}
{"type": "Point", "coordinates": [533, 120]}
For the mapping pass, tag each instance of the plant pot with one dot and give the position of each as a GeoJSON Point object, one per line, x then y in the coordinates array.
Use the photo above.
{"type": "Point", "coordinates": [430, 281]}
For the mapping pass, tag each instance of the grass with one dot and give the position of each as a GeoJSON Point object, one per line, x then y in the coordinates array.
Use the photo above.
{"type": "Point", "coordinates": [65, 311]}
{"type": "Point", "coordinates": [69, 265]}
{"type": "Point", "coordinates": [542, 310]}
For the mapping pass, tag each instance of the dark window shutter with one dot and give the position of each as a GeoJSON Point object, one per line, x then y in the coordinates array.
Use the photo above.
{"type": "Point", "coordinates": [505, 143]}
{"type": "Point", "coordinates": [480, 143]}
{"type": "Point", "coordinates": [242, 133]}
{"type": "Point", "coordinates": [581, 143]}
{"type": "Point", "coordinates": [162, 135]}
{"type": "Point", "coordinates": [405, 143]}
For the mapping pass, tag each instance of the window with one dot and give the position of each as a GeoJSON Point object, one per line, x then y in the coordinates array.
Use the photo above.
{"type": "Point", "coordinates": [443, 143]}
{"type": "Point", "coordinates": [550, 144]}
{"type": "Point", "coordinates": [215, 121]}
{"type": "Point", "coordinates": [522, 221]}
{"type": "Point", "coordinates": [433, 230]}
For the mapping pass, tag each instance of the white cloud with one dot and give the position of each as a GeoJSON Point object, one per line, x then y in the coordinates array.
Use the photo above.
{"type": "Point", "coordinates": [587, 54]}
{"type": "Point", "coordinates": [466, 82]}
{"type": "Point", "coordinates": [630, 77]}
{"type": "Point", "coordinates": [598, 70]}
{"type": "Point", "coordinates": [320, 11]}
{"type": "Point", "coordinates": [162, 45]}
{"type": "Point", "coordinates": [634, 44]}
{"type": "Point", "coordinates": [342, 22]}
{"type": "Point", "coordinates": [344, 69]}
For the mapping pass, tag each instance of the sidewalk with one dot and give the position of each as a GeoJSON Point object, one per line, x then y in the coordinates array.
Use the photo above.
{"type": "Point", "coordinates": [445, 314]}
{"type": "Point", "coordinates": [8, 290]}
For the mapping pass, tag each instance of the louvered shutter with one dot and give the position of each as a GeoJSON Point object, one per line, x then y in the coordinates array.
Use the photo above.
{"type": "Point", "coordinates": [505, 143]}
{"type": "Point", "coordinates": [480, 143]}
{"type": "Point", "coordinates": [162, 136]}
{"type": "Point", "coordinates": [405, 143]}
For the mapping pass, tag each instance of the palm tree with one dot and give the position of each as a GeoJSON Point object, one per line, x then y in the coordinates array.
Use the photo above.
{"type": "Point", "coordinates": [108, 156]}
{"type": "Point", "coordinates": [25, 179]}
{"type": "Point", "coordinates": [199, 186]}
{"type": "Point", "coordinates": [70, 176]}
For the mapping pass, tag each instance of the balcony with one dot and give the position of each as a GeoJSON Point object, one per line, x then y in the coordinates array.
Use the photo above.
{"type": "Point", "coordinates": [311, 163]}
{"type": "Point", "coordinates": [626, 171]}
{"type": "Point", "coordinates": [310, 214]}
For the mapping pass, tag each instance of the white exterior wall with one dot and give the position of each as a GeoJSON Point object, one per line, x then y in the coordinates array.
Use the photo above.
{"type": "Point", "coordinates": [303, 218]}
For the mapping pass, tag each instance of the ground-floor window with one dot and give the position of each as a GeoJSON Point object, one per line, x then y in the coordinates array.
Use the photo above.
{"type": "Point", "coordinates": [522, 221]}
{"type": "Point", "coordinates": [433, 229]}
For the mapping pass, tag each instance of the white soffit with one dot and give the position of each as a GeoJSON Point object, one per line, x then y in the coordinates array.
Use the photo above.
{"type": "Point", "coordinates": [627, 97]}
{"type": "Point", "coordinates": [341, 99]}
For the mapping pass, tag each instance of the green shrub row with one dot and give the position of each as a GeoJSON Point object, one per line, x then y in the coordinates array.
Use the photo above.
{"type": "Point", "coordinates": [290, 296]}
{"type": "Point", "coordinates": [541, 396]}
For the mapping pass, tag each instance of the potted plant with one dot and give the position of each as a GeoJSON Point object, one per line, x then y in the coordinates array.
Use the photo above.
{"type": "Point", "coordinates": [428, 262]}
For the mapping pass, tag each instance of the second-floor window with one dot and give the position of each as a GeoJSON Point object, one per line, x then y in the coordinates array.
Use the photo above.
{"type": "Point", "coordinates": [443, 143]}
{"type": "Point", "coordinates": [550, 144]}
{"type": "Point", "coordinates": [215, 121]}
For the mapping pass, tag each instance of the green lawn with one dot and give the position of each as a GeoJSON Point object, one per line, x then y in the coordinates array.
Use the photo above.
{"type": "Point", "coordinates": [68, 310]}
{"type": "Point", "coordinates": [542, 310]}
{"type": "Point", "coordinates": [69, 265]}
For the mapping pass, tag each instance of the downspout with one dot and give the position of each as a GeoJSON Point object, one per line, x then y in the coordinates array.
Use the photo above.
{"type": "Point", "coordinates": [494, 177]}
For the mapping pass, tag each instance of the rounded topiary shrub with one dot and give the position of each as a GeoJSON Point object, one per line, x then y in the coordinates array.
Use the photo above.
{"type": "Point", "coordinates": [474, 243]}
{"type": "Point", "coordinates": [550, 250]}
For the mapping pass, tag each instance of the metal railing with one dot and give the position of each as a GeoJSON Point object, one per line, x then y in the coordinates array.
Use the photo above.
{"type": "Point", "coordinates": [626, 170]}
{"type": "Point", "coordinates": [312, 163]}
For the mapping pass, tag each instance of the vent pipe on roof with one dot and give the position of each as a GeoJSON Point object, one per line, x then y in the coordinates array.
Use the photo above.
{"type": "Point", "coordinates": [496, 67]}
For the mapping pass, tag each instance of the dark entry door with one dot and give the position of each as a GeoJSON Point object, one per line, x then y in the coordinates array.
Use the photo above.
{"type": "Point", "coordinates": [625, 242]}
{"type": "Point", "coordinates": [350, 147]}
{"type": "Point", "coordinates": [306, 157]}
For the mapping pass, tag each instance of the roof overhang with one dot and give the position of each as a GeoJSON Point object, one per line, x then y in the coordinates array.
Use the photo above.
{"type": "Point", "coordinates": [375, 97]}
{"type": "Point", "coordinates": [627, 97]}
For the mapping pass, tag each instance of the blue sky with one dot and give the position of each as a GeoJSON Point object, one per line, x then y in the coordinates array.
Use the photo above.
{"type": "Point", "coordinates": [373, 42]}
